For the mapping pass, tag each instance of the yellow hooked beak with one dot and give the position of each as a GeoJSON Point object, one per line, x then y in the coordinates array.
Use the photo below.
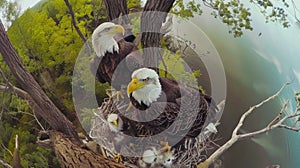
{"type": "Point", "coordinates": [115, 123]}
{"type": "Point", "coordinates": [134, 85]}
{"type": "Point", "coordinates": [117, 29]}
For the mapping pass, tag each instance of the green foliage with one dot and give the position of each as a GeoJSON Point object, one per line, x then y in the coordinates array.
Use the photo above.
{"type": "Point", "coordinates": [2, 2]}
{"type": "Point", "coordinates": [176, 69]}
{"type": "Point", "coordinates": [10, 10]}
{"type": "Point", "coordinates": [186, 9]}
{"type": "Point", "coordinates": [133, 4]}
{"type": "Point", "coordinates": [233, 13]}
{"type": "Point", "coordinates": [238, 17]}
{"type": "Point", "coordinates": [31, 154]}
{"type": "Point", "coordinates": [135, 25]}
{"type": "Point", "coordinates": [297, 97]}
{"type": "Point", "coordinates": [48, 44]}
{"type": "Point", "coordinates": [273, 13]}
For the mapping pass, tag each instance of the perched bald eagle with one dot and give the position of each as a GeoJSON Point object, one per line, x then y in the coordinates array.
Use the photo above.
{"type": "Point", "coordinates": [116, 58]}
{"type": "Point", "coordinates": [147, 91]}
{"type": "Point", "coordinates": [147, 87]}
{"type": "Point", "coordinates": [164, 106]}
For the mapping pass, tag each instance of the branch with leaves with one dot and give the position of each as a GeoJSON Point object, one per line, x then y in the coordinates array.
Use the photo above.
{"type": "Point", "coordinates": [278, 122]}
{"type": "Point", "coordinates": [71, 11]}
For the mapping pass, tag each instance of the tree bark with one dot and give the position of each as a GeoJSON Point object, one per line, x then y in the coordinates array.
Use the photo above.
{"type": "Point", "coordinates": [48, 111]}
{"type": "Point", "coordinates": [151, 23]}
{"type": "Point", "coordinates": [117, 12]}
{"type": "Point", "coordinates": [115, 9]}
{"type": "Point", "coordinates": [69, 154]}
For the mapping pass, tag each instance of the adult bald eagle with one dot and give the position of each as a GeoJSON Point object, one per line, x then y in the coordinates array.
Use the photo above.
{"type": "Point", "coordinates": [116, 58]}
{"type": "Point", "coordinates": [165, 106]}
{"type": "Point", "coordinates": [147, 87]}
{"type": "Point", "coordinates": [178, 102]}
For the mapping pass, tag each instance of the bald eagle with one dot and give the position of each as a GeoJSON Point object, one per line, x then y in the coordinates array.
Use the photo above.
{"type": "Point", "coordinates": [164, 106]}
{"type": "Point", "coordinates": [177, 101]}
{"type": "Point", "coordinates": [116, 58]}
{"type": "Point", "coordinates": [147, 87]}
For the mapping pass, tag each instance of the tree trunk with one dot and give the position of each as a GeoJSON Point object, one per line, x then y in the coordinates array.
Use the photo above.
{"type": "Point", "coordinates": [70, 154]}
{"type": "Point", "coordinates": [117, 12]}
{"type": "Point", "coordinates": [115, 8]}
{"type": "Point", "coordinates": [151, 23]}
{"type": "Point", "coordinates": [49, 111]}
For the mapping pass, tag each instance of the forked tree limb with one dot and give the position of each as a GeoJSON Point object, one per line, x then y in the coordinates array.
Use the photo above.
{"type": "Point", "coordinates": [244, 116]}
{"type": "Point", "coordinates": [275, 123]}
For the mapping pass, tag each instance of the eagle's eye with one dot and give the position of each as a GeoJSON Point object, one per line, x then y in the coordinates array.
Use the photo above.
{"type": "Point", "coordinates": [146, 79]}
{"type": "Point", "coordinates": [108, 28]}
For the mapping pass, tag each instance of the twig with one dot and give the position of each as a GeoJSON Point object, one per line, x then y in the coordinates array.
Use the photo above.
{"type": "Point", "coordinates": [241, 122]}
{"type": "Point", "coordinates": [38, 121]}
{"type": "Point", "coordinates": [277, 118]}
{"type": "Point", "coordinates": [5, 148]}
{"type": "Point", "coordinates": [4, 164]}
{"type": "Point", "coordinates": [24, 95]}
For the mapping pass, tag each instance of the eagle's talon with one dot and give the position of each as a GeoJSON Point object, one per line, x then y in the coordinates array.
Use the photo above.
{"type": "Point", "coordinates": [118, 158]}
{"type": "Point", "coordinates": [166, 147]}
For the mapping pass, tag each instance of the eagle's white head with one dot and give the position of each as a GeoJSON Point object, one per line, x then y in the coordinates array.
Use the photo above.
{"type": "Point", "coordinates": [115, 123]}
{"type": "Point", "coordinates": [103, 38]}
{"type": "Point", "coordinates": [144, 86]}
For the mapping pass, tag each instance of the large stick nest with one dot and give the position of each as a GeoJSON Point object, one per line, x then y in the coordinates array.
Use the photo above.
{"type": "Point", "coordinates": [101, 133]}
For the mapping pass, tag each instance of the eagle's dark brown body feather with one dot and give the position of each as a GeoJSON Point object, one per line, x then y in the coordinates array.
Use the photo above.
{"type": "Point", "coordinates": [116, 68]}
{"type": "Point", "coordinates": [187, 106]}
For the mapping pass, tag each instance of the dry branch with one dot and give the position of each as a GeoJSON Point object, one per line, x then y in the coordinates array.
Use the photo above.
{"type": "Point", "coordinates": [4, 164]}
{"type": "Point", "coordinates": [275, 123]}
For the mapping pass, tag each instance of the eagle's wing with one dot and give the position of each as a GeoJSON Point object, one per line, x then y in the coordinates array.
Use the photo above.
{"type": "Point", "coordinates": [184, 118]}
